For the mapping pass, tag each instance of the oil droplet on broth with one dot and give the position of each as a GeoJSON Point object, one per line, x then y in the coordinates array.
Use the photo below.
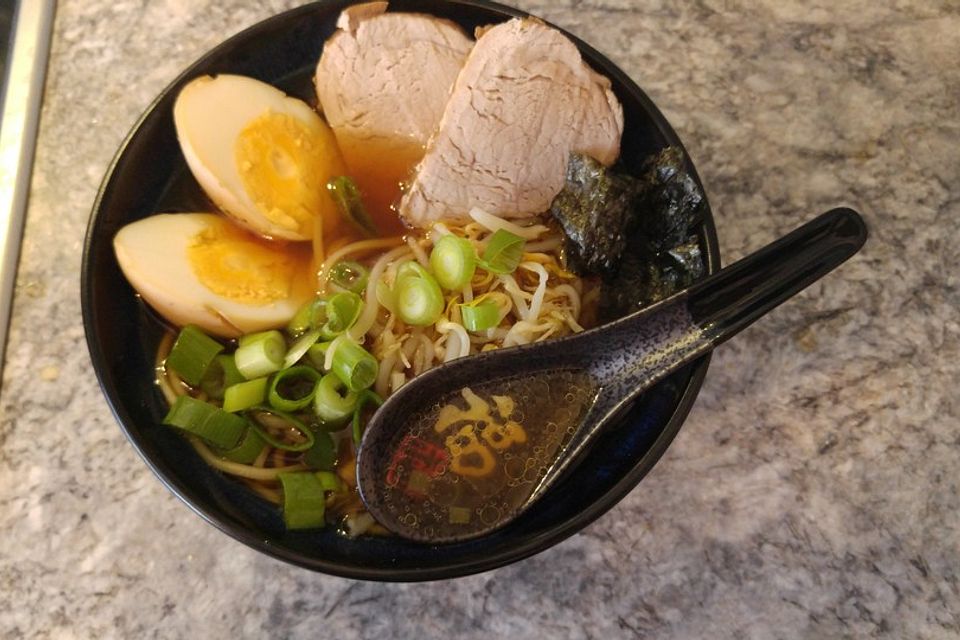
{"type": "Point", "coordinates": [437, 470]}
{"type": "Point", "coordinates": [379, 166]}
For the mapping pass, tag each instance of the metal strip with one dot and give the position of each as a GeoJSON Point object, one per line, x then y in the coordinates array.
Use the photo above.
{"type": "Point", "coordinates": [28, 53]}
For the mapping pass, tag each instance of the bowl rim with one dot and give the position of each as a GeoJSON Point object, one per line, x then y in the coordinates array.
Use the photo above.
{"type": "Point", "coordinates": [533, 545]}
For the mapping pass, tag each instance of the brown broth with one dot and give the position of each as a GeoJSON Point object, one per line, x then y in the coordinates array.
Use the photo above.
{"type": "Point", "coordinates": [381, 167]}
{"type": "Point", "coordinates": [441, 484]}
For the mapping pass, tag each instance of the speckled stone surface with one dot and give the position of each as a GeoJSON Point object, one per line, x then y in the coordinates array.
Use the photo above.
{"type": "Point", "coordinates": [811, 494]}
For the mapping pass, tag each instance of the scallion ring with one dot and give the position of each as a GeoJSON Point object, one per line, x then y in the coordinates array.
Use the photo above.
{"type": "Point", "coordinates": [292, 389]}
{"type": "Point", "coordinates": [453, 261]}
{"type": "Point", "coordinates": [264, 419]}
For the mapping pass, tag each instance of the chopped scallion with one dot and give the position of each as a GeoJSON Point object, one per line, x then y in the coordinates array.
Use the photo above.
{"type": "Point", "coordinates": [503, 252]}
{"type": "Point", "coordinates": [354, 365]}
{"type": "Point", "coordinates": [419, 301]}
{"type": "Point", "coordinates": [311, 315]}
{"type": "Point", "coordinates": [343, 309]}
{"type": "Point", "coordinates": [244, 395]}
{"type": "Point", "coordinates": [453, 261]}
{"type": "Point", "coordinates": [221, 374]}
{"type": "Point", "coordinates": [266, 420]}
{"type": "Point", "coordinates": [323, 453]}
{"type": "Point", "coordinates": [260, 354]}
{"type": "Point", "coordinates": [304, 501]}
{"type": "Point", "coordinates": [317, 354]}
{"type": "Point", "coordinates": [192, 354]}
{"type": "Point", "coordinates": [480, 315]}
{"type": "Point", "coordinates": [347, 196]}
{"type": "Point", "coordinates": [363, 398]}
{"type": "Point", "coordinates": [206, 421]}
{"type": "Point", "coordinates": [247, 450]}
{"type": "Point", "coordinates": [331, 407]}
{"type": "Point", "coordinates": [300, 347]}
{"type": "Point", "coordinates": [350, 276]}
{"type": "Point", "coordinates": [292, 389]}
{"type": "Point", "coordinates": [330, 481]}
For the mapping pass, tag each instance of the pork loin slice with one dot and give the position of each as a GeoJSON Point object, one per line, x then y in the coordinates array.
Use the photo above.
{"type": "Point", "coordinates": [388, 75]}
{"type": "Point", "coordinates": [522, 103]}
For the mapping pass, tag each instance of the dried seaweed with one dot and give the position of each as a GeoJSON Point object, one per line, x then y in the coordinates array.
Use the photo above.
{"type": "Point", "coordinates": [637, 233]}
{"type": "Point", "coordinates": [595, 209]}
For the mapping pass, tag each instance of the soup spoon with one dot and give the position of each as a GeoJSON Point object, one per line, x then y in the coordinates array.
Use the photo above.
{"type": "Point", "coordinates": [466, 447]}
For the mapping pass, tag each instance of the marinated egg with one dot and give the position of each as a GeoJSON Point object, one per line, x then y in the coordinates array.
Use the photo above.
{"type": "Point", "coordinates": [200, 268]}
{"type": "Point", "coordinates": [263, 157]}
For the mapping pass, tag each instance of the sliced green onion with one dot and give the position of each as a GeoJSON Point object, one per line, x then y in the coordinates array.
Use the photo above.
{"type": "Point", "coordinates": [344, 192]}
{"type": "Point", "coordinates": [299, 348]}
{"type": "Point", "coordinates": [192, 354]}
{"type": "Point", "coordinates": [214, 425]}
{"type": "Point", "coordinates": [298, 382]}
{"type": "Point", "coordinates": [260, 354]}
{"type": "Point", "coordinates": [503, 252]}
{"type": "Point", "coordinates": [480, 315]}
{"type": "Point", "coordinates": [317, 354]}
{"type": "Point", "coordinates": [247, 450]}
{"type": "Point", "coordinates": [221, 374]}
{"type": "Point", "coordinates": [331, 481]}
{"type": "Point", "coordinates": [354, 365]}
{"type": "Point", "coordinates": [311, 315]}
{"type": "Point", "coordinates": [350, 276]}
{"type": "Point", "coordinates": [264, 418]}
{"type": "Point", "coordinates": [363, 398]}
{"type": "Point", "coordinates": [419, 301]}
{"type": "Point", "coordinates": [386, 297]}
{"type": "Point", "coordinates": [331, 407]}
{"type": "Point", "coordinates": [343, 309]}
{"type": "Point", "coordinates": [323, 453]}
{"type": "Point", "coordinates": [453, 261]}
{"type": "Point", "coordinates": [244, 395]}
{"type": "Point", "coordinates": [304, 501]}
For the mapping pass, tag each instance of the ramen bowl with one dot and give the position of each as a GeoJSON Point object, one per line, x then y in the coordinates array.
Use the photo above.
{"type": "Point", "coordinates": [149, 175]}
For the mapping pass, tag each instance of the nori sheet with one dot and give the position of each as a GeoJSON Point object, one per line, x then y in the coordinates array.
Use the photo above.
{"type": "Point", "coordinates": [636, 233]}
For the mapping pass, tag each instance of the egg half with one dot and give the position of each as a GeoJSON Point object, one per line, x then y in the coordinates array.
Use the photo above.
{"type": "Point", "coordinates": [200, 268]}
{"type": "Point", "coordinates": [263, 157]}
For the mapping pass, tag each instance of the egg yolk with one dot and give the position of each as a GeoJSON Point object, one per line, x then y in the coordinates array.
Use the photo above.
{"type": "Point", "coordinates": [240, 267]}
{"type": "Point", "coordinates": [283, 164]}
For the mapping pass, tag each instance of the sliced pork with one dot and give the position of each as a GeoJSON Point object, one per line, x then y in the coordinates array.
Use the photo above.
{"type": "Point", "coordinates": [522, 103]}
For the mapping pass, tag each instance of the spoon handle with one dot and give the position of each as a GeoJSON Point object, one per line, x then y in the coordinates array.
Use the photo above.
{"type": "Point", "coordinates": [649, 345]}
{"type": "Point", "coordinates": [734, 298]}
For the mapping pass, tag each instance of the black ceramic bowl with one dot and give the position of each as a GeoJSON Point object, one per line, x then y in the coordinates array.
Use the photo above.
{"type": "Point", "coordinates": [149, 175]}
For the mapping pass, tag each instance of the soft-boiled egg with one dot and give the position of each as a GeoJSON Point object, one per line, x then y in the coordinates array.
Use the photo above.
{"type": "Point", "coordinates": [200, 268]}
{"type": "Point", "coordinates": [263, 157]}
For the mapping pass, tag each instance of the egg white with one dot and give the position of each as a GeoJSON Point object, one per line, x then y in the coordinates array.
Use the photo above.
{"type": "Point", "coordinates": [210, 113]}
{"type": "Point", "coordinates": [153, 255]}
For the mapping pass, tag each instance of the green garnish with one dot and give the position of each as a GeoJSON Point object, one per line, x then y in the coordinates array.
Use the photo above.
{"type": "Point", "coordinates": [206, 421]}
{"type": "Point", "coordinates": [354, 365]}
{"type": "Point", "coordinates": [344, 192]}
{"type": "Point", "coordinates": [244, 395]}
{"type": "Point", "coordinates": [192, 354]}
{"type": "Point", "coordinates": [260, 354]}
{"type": "Point", "coordinates": [343, 309]}
{"type": "Point", "coordinates": [304, 501]}
{"type": "Point", "coordinates": [453, 261]}
{"type": "Point", "coordinates": [418, 299]}
{"type": "Point", "coordinates": [264, 418]}
{"type": "Point", "coordinates": [349, 276]}
{"type": "Point", "coordinates": [480, 314]}
{"type": "Point", "coordinates": [503, 252]}
{"type": "Point", "coordinates": [329, 405]}
{"type": "Point", "coordinates": [292, 389]}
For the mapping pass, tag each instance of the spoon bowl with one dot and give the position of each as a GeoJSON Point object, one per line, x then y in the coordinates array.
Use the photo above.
{"type": "Point", "coordinates": [467, 447]}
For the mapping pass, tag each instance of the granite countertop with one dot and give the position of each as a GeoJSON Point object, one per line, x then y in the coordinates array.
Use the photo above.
{"type": "Point", "coordinates": [811, 493]}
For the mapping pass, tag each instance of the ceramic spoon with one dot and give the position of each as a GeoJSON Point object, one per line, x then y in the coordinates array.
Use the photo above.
{"type": "Point", "coordinates": [436, 480]}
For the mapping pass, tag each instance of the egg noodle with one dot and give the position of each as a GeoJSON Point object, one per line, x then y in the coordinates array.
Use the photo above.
{"type": "Point", "coordinates": [541, 299]}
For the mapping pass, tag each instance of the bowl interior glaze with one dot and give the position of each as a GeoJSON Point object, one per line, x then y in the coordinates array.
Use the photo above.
{"type": "Point", "coordinates": [149, 175]}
